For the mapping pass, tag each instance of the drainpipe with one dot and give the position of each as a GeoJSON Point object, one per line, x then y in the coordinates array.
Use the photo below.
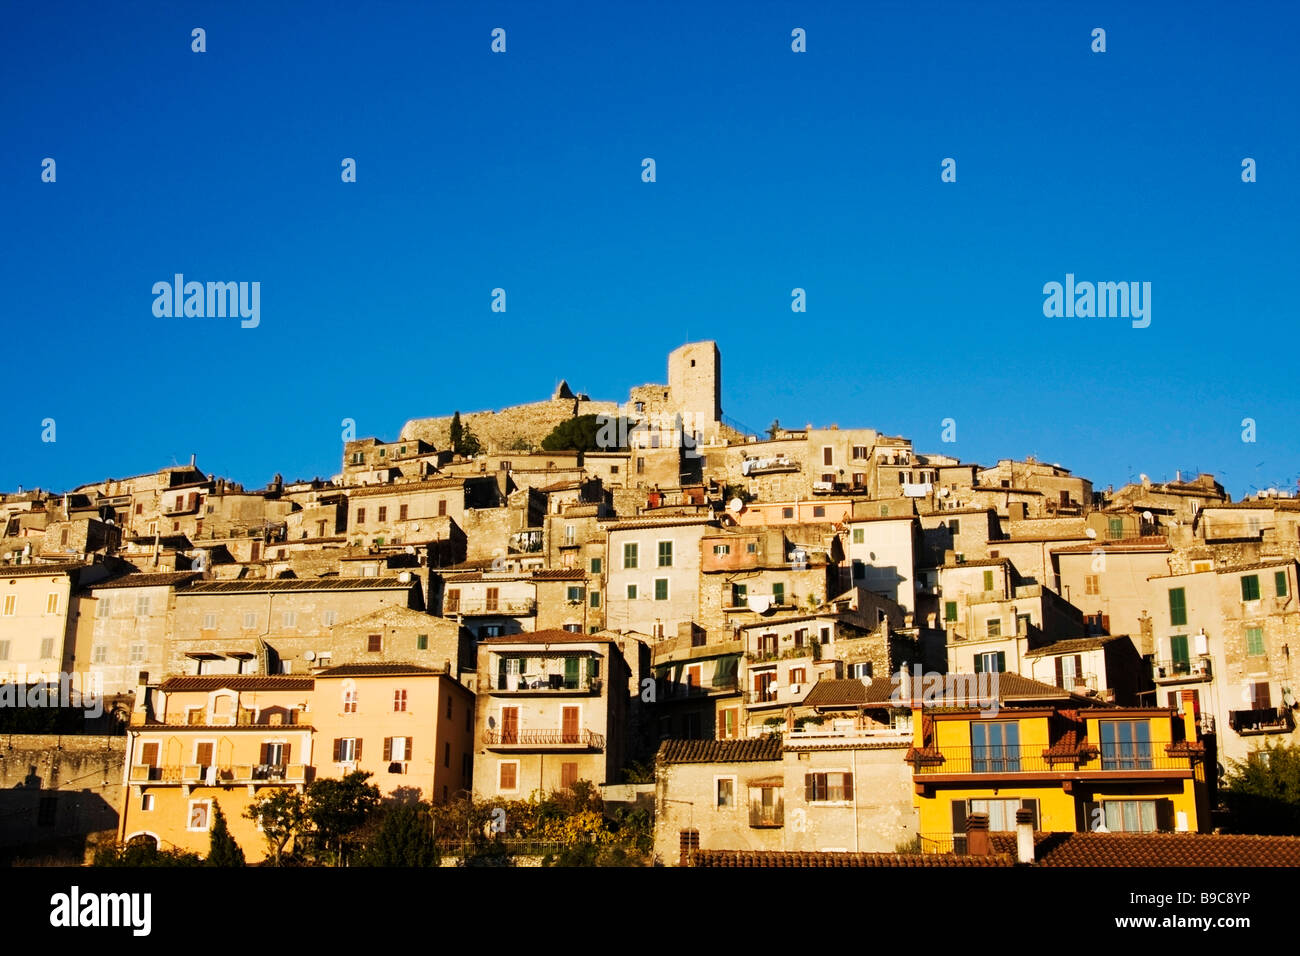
{"type": "Point", "coordinates": [856, 844]}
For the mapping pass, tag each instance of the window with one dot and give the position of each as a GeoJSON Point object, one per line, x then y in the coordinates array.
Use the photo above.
{"type": "Point", "coordinates": [402, 511]}
{"type": "Point", "coordinates": [350, 701]}
{"type": "Point", "coordinates": [4, 650]}
{"type": "Point", "coordinates": [828, 787]}
{"type": "Point", "coordinates": [1178, 653]}
{"type": "Point", "coordinates": [397, 750]}
{"type": "Point", "coordinates": [453, 600]}
{"type": "Point", "coordinates": [778, 594]}
{"type": "Point", "coordinates": [104, 608]}
{"type": "Point", "coordinates": [1115, 528]}
{"type": "Point", "coordinates": [1131, 816]}
{"type": "Point", "coordinates": [828, 455]}
{"type": "Point", "coordinates": [146, 802]}
{"type": "Point", "coordinates": [665, 554]}
{"type": "Point", "coordinates": [629, 556]}
{"type": "Point", "coordinates": [209, 621]}
{"type": "Point", "coordinates": [728, 722]}
{"type": "Point", "coordinates": [860, 670]}
{"type": "Point", "coordinates": [954, 527]}
{"type": "Point", "coordinates": [399, 700]}
{"type": "Point", "coordinates": [442, 507]}
{"type": "Point", "coordinates": [995, 747]}
{"type": "Point", "coordinates": [988, 580]}
{"type": "Point", "coordinates": [993, 627]}
{"type": "Point", "coordinates": [1255, 641]}
{"type": "Point", "coordinates": [374, 643]}
{"type": "Point", "coordinates": [1177, 606]}
{"type": "Point", "coordinates": [383, 514]}
{"type": "Point", "coordinates": [631, 592]}
{"type": "Point", "coordinates": [1092, 584]}
{"type": "Point", "coordinates": [725, 791]}
{"type": "Point", "coordinates": [766, 806]}
{"type": "Point", "coordinates": [568, 775]}
{"type": "Point", "coordinates": [100, 654]}
{"type": "Point", "coordinates": [361, 516]}
{"type": "Point", "coordinates": [798, 675]}
{"type": "Point", "coordinates": [859, 452]}
{"type": "Point", "coordinates": [1125, 745]}
{"type": "Point", "coordinates": [950, 611]}
{"type": "Point", "coordinates": [595, 565]}
{"type": "Point", "coordinates": [595, 599]}
{"type": "Point", "coordinates": [250, 620]}
{"type": "Point", "coordinates": [347, 749]}
{"type": "Point", "coordinates": [826, 635]}
{"type": "Point", "coordinates": [739, 595]}
{"type": "Point", "coordinates": [640, 465]}
{"type": "Point", "coordinates": [1279, 583]}
{"type": "Point", "coordinates": [859, 570]}
{"type": "Point", "coordinates": [819, 511]}
{"type": "Point", "coordinates": [47, 648]}
{"type": "Point", "coordinates": [142, 605]}
{"type": "Point", "coordinates": [9, 605]}
{"type": "Point", "coordinates": [991, 662]}
{"type": "Point", "coordinates": [1001, 813]}
{"type": "Point", "coordinates": [289, 619]}
{"type": "Point", "coordinates": [52, 603]}
{"type": "Point", "coordinates": [422, 642]}
{"type": "Point", "coordinates": [1250, 587]}
{"type": "Point", "coordinates": [200, 812]}
{"type": "Point", "coordinates": [137, 653]}
{"type": "Point", "coordinates": [661, 589]}
{"type": "Point", "coordinates": [787, 512]}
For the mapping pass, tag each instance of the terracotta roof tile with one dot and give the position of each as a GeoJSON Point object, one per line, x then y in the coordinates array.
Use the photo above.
{"type": "Point", "coordinates": [792, 859]}
{"type": "Point", "coordinates": [847, 693]}
{"type": "Point", "coordinates": [1157, 849]}
{"type": "Point", "coordinates": [719, 751]}
{"type": "Point", "coordinates": [391, 669]}
{"type": "Point", "coordinates": [211, 682]}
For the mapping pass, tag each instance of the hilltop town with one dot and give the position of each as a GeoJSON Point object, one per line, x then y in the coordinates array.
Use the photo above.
{"type": "Point", "coordinates": [645, 600]}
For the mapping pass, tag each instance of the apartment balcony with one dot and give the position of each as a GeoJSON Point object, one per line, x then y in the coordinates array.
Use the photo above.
{"type": "Point", "coordinates": [768, 466]}
{"type": "Point", "coordinates": [767, 817]}
{"type": "Point", "coordinates": [1261, 720]}
{"type": "Point", "coordinates": [525, 607]}
{"type": "Point", "coordinates": [529, 542]}
{"type": "Point", "coordinates": [1181, 672]}
{"type": "Point", "coordinates": [213, 776]}
{"type": "Point", "coordinates": [543, 684]}
{"type": "Point", "coordinates": [1035, 762]}
{"type": "Point", "coordinates": [582, 739]}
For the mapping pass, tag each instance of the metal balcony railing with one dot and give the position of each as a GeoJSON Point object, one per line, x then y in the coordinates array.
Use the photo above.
{"type": "Point", "coordinates": [545, 738]}
{"type": "Point", "coordinates": [1024, 759]}
{"type": "Point", "coordinates": [543, 683]}
{"type": "Point", "coordinates": [1261, 720]}
{"type": "Point", "coordinates": [1171, 670]}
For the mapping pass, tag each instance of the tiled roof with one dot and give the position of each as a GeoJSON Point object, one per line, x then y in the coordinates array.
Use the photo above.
{"type": "Point", "coordinates": [845, 693]}
{"type": "Point", "coordinates": [979, 563]}
{"type": "Point", "coordinates": [241, 682]}
{"type": "Point", "coordinates": [160, 579]}
{"type": "Point", "coordinates": [1157, 849]}
{"type": "Point", "coordinates": [27, 570]}
{"type": "Point", "coordinates": [719, 751]}
{"type": "Point", "coordinates": [396, 669]}
{"type": "Point", "coordinates": [1074, 645]}
{"type": "Point", "coordinates": [779, 858]}
{"type": "Point", "coordinates": [298, 584]}
{"type": "Point", "coordinates": [549, 636]}
{"type": "Point", "coordinates": [559, 574]}
{"type": "Point", "coordinates": [662, 523]}
{"type": "Point", "coordinates": [1149, 542]}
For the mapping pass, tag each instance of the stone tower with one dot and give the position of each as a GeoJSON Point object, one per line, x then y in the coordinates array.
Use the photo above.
{"type": "Point", "coordinates": [695, 381]}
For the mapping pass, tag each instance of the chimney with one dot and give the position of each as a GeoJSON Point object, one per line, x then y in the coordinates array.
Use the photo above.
{"type": "Point", "coordinates": [977, 835]}
{"type": "Point", "coordinates": [1187, 699]}
{"type": "Point", "coordinates": [192, 459]}
{"type": "Point", "coordinates": [1024, 836]}
{"type": "Point", "coordinates": [140, 710]}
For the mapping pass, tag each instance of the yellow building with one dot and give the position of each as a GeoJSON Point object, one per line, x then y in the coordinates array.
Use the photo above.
{"type": "Point", "coordinates": [1075, 767]}
{"type": "Point", "coordinates": [198, 741]}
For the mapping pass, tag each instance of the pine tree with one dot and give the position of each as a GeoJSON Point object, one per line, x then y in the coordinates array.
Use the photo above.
{"type": "Point", "coordinates": [222, 848]}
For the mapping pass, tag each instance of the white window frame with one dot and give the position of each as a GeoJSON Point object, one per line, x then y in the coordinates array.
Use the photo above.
{"type": "Point", "coordinates": [735, 789]}
{"type": "Point", "coordinates": [672, 553]}
{"type": "Point", "coordinates": [52, 598]}
{"type": "Point", "coordinates": [189, 812]}
{"type": "Point", "coordinates": [499, 788]}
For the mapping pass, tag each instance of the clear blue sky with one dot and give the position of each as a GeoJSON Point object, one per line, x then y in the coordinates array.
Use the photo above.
{"type": "Point", "coordinates": [775, 170]}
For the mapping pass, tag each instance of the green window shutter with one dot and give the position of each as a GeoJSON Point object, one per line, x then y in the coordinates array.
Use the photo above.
{"type": "Point", "coordinates": [950, 610]}
{"type": "Point", "coordinates": [979, 663]}
{"type": "Point", "coordinates": [1250, 587]}
{"type": "Point", "coordinates": [1178, 650]}
{"type": "Point", "coordinates": [1177, 606]}
{"type": "Point", "coordinates": [1002, 662]}
{"type": "Point", "coordinates": [778, 593]}
{"type": "Point", "coordinates": [1255, 641]}
{"type": "Point", "coordinates": [595, 599]}
{"type": "Point", "coordinates": [1279, 583]}
{"type": "Point", "coordinates": [595, 565]}
{"type": "Point", "coordinates": [988, 580]}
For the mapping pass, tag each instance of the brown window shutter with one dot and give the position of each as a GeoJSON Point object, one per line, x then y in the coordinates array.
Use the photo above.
{"type": "Point", "coordinates": [848, 786]}
{"type": "Point", "coordinates": [959, 817]}
{"type": "Point", "coordinates": [388, 749]}
{"type": "Point", "coordinates": [1060, 673]}
{"type": "Point", "coordinates": [338, 749]}
{"type": "Point", "coordinates": [358, 748]}
{"type": "Point", "coordinates": [809, 786]}
{"type": "Point", "coordinates": [264, 756]}
{"type": "Point", "coordinates": [284, 753]}
{"type": "Point", "coordinates": [409, 741]}
{"type": "Point", "coordinates": [1078, 667]}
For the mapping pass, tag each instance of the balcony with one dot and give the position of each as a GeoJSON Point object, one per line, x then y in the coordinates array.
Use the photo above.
{"type": "Point", "coordinates": [771, 816]}
{"type": "Point", "coordinates": [543, 740]}
{"type": "Point", "coordinates": [1181, 672]}
{"type": "Point", "coordinates": [517, 607]}
{"type": "Point", "coordinates": [1016, 760]}
{"type": "Point", "coordinates": [214, 776]}
{"type": "Point", "coordinates": [1261, 720]}
{"type": "Point", "coordinates": [529, 542]}
{"type": "Point", "coordinates": [768, 466]}
{"type": "Point", "coordinates": [543, 684]}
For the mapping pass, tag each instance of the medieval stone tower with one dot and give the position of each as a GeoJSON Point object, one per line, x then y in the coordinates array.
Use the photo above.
{"type": "Point", "coordinates": [695, 381]}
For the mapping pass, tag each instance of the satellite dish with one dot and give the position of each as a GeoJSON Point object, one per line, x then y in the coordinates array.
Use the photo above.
{"type": "Point", "coordinates": [943, 492]}
{"type": "Point", "coordinates": [735, 506]}
{"type": "Point", "coordinates": [1091, 532]}
{"type": "Point", "coordinates": [309, 655]}
{"type": "Point", "coordinates": [1146, 516]}
{"type": "Point", "coordinates": [410, 549]}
